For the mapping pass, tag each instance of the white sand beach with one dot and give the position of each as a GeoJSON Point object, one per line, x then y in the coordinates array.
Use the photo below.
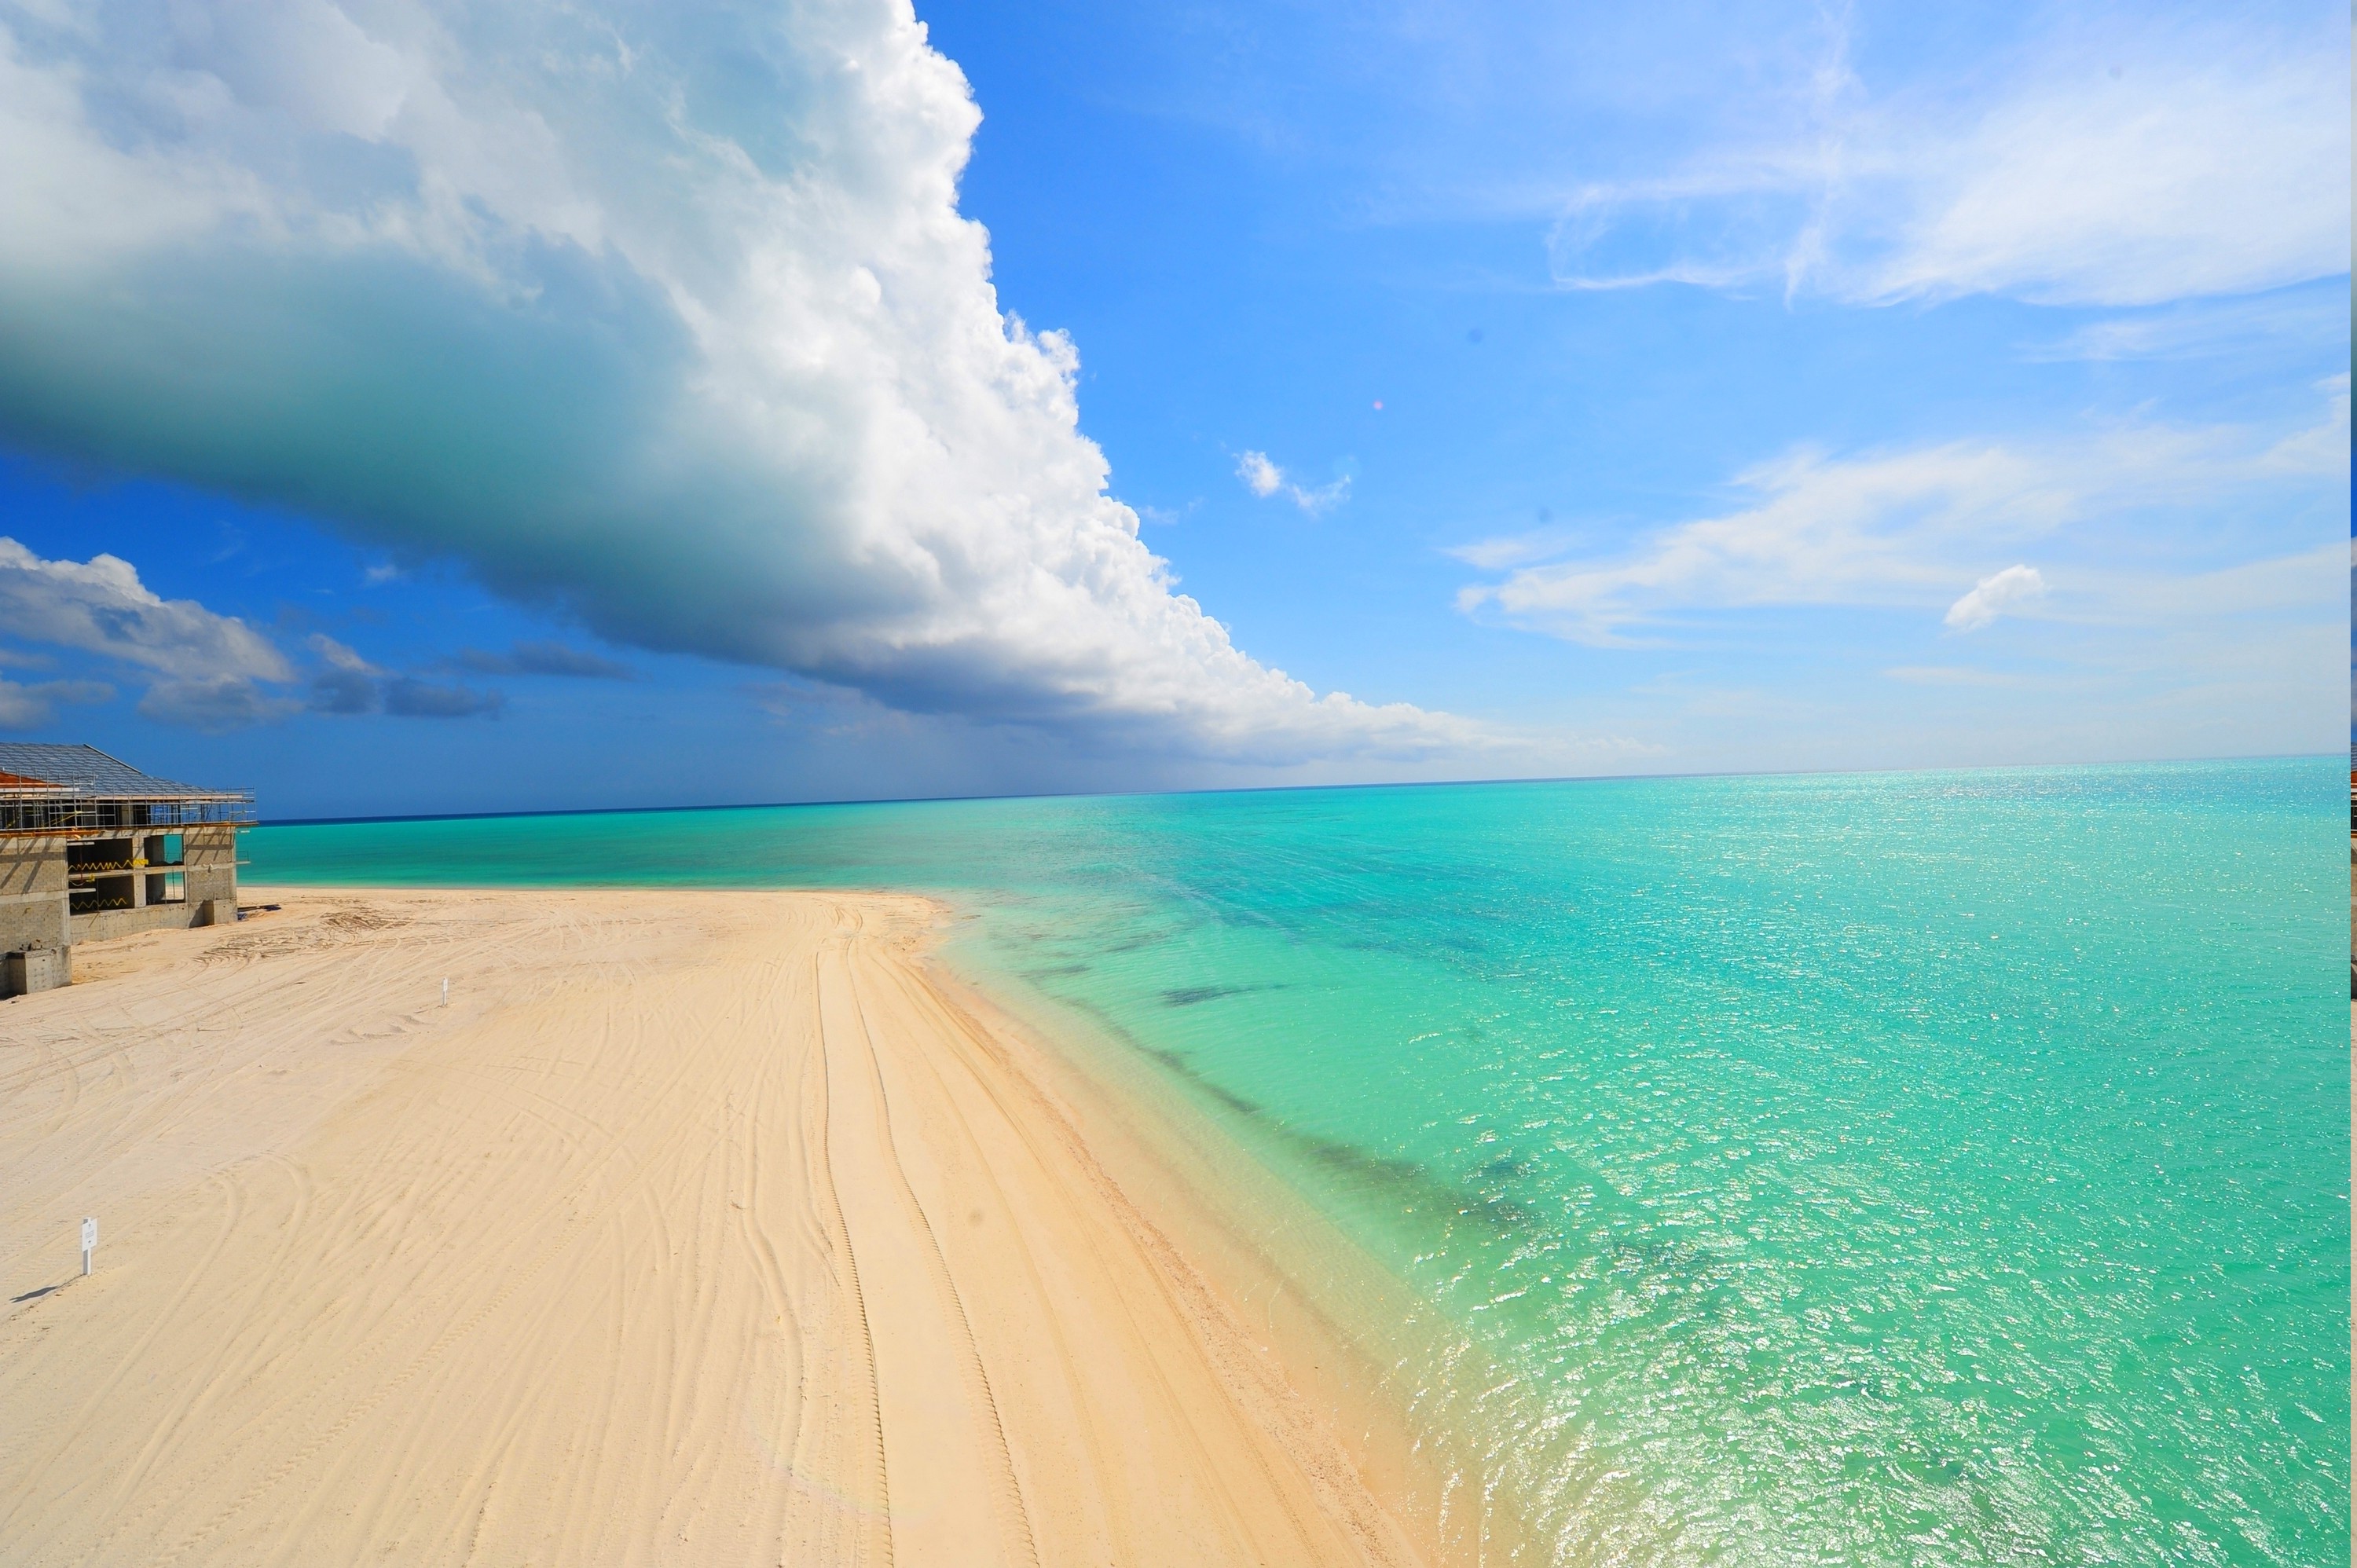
{"type": "Point", "coordinates": [697, 1227]}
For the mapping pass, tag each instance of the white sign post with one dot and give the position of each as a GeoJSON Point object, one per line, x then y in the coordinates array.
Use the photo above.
{"type": "Point", "coordinates": [446, 993]}
{"type": "Point", "coordinates": [88, 1244]}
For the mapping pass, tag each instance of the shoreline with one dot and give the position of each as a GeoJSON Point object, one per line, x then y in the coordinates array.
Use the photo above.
{"type": "Point", "coordinates": [1351, 1341]}
{"type": "Point", "coordinates": [489, 1281]}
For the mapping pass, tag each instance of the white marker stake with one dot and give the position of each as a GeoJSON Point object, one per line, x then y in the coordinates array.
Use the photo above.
{"type": "Point", "coordinates": [446, 993]}
{"type": "Point", "coordinates": [88, 1244]}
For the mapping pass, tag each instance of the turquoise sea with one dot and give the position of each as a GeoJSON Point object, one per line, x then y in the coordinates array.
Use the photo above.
{"type": "Point", "coordinates": [1929, 1168]}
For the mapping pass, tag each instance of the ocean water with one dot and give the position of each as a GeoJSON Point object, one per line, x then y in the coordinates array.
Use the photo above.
{"type": "Point", "coordinates": [1924, 1168]}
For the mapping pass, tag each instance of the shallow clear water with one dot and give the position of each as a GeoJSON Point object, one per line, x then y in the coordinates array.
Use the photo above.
{"type": "Point", "coordinates": [1927, 1168]}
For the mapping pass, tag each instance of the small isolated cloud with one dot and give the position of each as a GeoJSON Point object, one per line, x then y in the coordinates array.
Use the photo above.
{"type": "Point", "coordinates": [545, 659]}
{"type": "Point", "coordinates": [24, 708]}
{"type": "Point", "coordinates": [1996, 596]}
{"type": "Point", "coordinates": [1260, 475]}
{"type": "Point", "coordinates": [1264, 478]}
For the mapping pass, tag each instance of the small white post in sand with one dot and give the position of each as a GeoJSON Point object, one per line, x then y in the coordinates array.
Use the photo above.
{"type": "Point", "coordinates": [446, 993]}
{"type": "Point", "coordinates": [89, 1243]}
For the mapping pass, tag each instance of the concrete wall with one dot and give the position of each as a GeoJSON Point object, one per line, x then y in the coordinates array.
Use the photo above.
{"type": "Point", "coordinates": [210, 853]}
{"type": "Point", "coordinates": [105, 924]}
{"type": "Point", "coordinates": [32, 894]}
{"type": "Point", "coordinates": [35, 912]}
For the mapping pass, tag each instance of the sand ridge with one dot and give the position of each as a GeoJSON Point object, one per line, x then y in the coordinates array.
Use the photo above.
{"type": "Point", "coordinates": [698, 1227]}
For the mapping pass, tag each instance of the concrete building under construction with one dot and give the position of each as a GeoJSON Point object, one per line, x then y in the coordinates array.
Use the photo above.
{"type": "Point", "coordinates": [92, 848]}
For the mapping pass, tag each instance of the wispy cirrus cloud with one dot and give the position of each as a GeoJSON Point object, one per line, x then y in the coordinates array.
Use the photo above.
{"type": "Point", "coordinates": [34, 705]}
{"type": "Point", "coordinates": [2123, 520]}
{"type": "Point", "coordinates": [2184, 161]}
{"type": "Point", "coordinates": [2204, 328]}
{"type": "Point", "coordinates": [1950, 676]}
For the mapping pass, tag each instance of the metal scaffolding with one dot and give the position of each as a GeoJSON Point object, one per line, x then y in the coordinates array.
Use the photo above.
{"type": "Point", "coordinates": [80, 791]}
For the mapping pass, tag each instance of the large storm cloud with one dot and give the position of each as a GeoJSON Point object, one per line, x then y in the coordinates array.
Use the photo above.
{"type": "Point", "coordinates": [663, 316]}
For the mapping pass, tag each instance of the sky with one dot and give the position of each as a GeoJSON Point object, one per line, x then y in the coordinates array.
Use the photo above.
{"type": "Point", "coordinates": [415, 407]}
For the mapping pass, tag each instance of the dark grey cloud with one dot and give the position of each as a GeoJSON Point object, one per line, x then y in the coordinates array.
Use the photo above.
{"type": "Point", "coordinates": [338, 691]}
{"type": "Point", "coordinates": [407, 697]}
{"type": "Point", "coordinates": [545, 659]}
{"type": "Point", "coordinates": [347, 683]}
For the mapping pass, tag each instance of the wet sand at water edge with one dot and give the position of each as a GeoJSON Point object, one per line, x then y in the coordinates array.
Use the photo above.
{"type": "Point", "coordinates": [698, 1227]}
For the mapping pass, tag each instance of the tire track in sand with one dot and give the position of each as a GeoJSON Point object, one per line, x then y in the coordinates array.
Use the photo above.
{"type": "Point", "coordinates": [869, 1513]}
{"type": "Point", "coordinates": [1006, 1495]}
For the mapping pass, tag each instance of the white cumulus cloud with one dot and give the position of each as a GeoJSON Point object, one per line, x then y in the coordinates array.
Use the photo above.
{"type": "Point", "coordinates": [664, 318]}
{"type": "Point", "coordinates": [209, 671]}
{"type": "Point", "coordinates": [1995, 595]}
{"type": "Point", "coordinates": [100, 605]}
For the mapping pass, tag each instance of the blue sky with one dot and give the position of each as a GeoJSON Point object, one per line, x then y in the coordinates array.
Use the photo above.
{"type": "Point", "coordinates": [498, 409]}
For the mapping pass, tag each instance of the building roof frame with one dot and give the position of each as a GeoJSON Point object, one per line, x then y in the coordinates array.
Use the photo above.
{"type": "Point", "coordinates": [46, 789]}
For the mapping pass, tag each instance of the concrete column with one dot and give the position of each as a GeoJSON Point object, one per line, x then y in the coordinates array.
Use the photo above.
{"type": "Point", "coordinates": [36, 969]}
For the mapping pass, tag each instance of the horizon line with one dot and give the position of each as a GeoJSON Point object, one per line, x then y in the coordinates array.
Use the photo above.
{"type": "Point", "coordinates": [1262, 789]}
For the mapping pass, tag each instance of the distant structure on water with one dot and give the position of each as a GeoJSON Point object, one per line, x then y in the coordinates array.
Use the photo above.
{"type": "Point", "coordinates": [92, 848]}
